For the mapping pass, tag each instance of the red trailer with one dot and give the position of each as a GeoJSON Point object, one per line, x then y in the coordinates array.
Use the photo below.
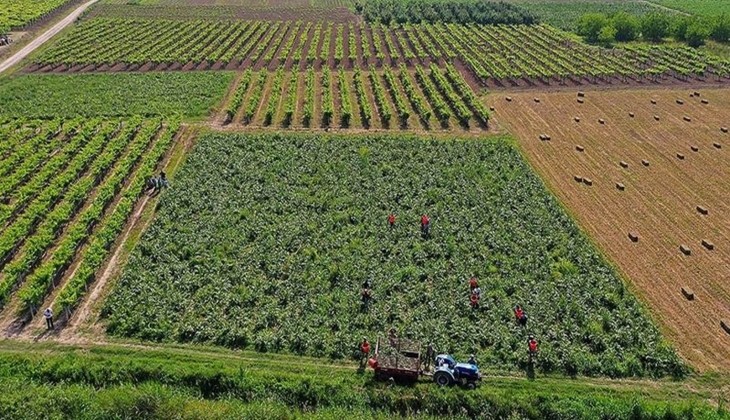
{"type": "Point", "coordinates": [397, 359]}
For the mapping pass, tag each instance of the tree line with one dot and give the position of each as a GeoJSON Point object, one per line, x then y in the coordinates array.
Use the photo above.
{"type": "Point", "coordinates": [599, 28]}
{"type": "Point", "coordinates": [449, 11]}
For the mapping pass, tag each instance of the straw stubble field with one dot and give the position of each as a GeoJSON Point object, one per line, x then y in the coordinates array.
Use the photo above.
{"type": "Point", "coordinates": [671, 161]}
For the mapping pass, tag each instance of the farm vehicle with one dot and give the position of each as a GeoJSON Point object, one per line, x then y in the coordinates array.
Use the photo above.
{"type": "Point", "coordinates": [399, 360]}
{"type": "Point", "coordinates": [5, 39]}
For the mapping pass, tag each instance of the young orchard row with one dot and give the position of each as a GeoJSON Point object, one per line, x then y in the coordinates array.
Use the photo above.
{"type": "Point", "coordinates": [367, 99]}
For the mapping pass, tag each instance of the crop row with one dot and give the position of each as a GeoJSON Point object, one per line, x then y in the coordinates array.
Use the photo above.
{"type": "Point", "coordinates": [70, 198]}
{"type": "Point", "coordinates": [495, 52]}
{"type": "Point", "coordinates": [359, 98]}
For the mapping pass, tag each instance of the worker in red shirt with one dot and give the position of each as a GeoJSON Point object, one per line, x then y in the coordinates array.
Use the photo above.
{"type": "Point", "coordinates": [532, 347]}
{"type": "Point", "coordinates": [473, 284]}
{"type": "Point", "coordinates": [520, 315]}
{"type": "Point", "coordinates": [391, 220]}
{"type": "Point", "coordinates": [474, 300]}
{"type": "Point", "coordinates": [364, 350]}
{"type": "Point", "coordinates": [425, 225]}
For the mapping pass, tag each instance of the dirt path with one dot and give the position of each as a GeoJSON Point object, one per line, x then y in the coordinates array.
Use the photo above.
{"type": "Point", "coordinates": [40, 40]}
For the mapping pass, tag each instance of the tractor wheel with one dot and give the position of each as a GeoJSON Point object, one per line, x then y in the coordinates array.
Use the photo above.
{"type": "Point", "coordinates": [442, 378]}
{"type": "Point", "coordinates": [471, 385]}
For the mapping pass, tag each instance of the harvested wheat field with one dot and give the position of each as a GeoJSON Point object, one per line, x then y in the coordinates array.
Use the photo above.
{"type": "Point", "coordinates": [647, 175]}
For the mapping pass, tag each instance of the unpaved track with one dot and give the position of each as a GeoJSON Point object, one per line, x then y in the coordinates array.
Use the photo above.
{"type": "Point", "coordinates": [659, 201]}
{"type": "Point", "coordinates": [33, 45]}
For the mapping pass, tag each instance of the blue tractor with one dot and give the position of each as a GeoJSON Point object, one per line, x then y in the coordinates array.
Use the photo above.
{"type": "Point", "coordinates": [449, 372]}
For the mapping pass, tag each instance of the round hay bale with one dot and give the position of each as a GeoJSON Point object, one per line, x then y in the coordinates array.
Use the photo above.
{"type": "Point", "coordinates": [579, 148]}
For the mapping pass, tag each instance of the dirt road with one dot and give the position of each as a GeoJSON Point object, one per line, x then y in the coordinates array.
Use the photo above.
{"type": "Point", "coordinates": [17, 57]}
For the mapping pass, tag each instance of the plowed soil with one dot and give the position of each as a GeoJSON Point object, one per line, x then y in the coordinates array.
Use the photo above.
{"type": "Point", "coordinates": [688, 166]}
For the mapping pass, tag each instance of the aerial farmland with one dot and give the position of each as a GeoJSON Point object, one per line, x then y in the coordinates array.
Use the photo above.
{"type": "Point", "coordinates": [364, 209]}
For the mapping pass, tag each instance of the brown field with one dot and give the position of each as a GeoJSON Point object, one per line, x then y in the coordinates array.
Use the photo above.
{"type": "Point", "coordinates": [688, 166]}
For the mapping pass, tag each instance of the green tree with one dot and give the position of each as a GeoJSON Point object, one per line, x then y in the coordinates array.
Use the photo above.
{"type": "Point", "coordinates": [654, 26]}
{"type": "Point", "coordinates": [697, 33]}
{"type": "Point", "coordinates": [626, 25]}
{"type": "Point", "coordinates": [721, 28]}
{"type": "Point", "coordinates": [607, 35]}
{"type": "Point", "coordinates": [679, 27]}
{"type": "Point", "coordinates": [590, 25]}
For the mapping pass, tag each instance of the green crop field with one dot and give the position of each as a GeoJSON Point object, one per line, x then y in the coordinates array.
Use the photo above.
{"type": "Point", "coordinates": [18, 13]}
{"type": "Point", "coordinates": [289, 131]}
{"type": "Point", "coordinates": [698, 7]}
{"type": "Point", "coordinates": [564, 14]}
{"type": "Point", "coordinates": [42, 96]}
{"type": "Point", "coordinates": [293, 225]}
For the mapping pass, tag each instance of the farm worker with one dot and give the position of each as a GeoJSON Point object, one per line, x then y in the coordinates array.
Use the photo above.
{"type": "Point", "coordinates": [364, 350]}
{"type": "Point", "coordinates": [520, 315]}
{"type": "Point", "coordinates": [156, 184]}
{"type": "Point", "coordinates": [532, 346]}
{"type": "Point", "coordinates": [474, 300]}
{"type": "Point", "coordinates": [392, 337]}
{"type": "Point", "coordinates": [477, 291]}
{"type": "Point", "coordinates": [391, 220]}
{"type": "Point", "coordinates": [472, 360]}
{"type": "Point", "coordinates": [430, 354]}
{"type": "Point", "coordinates": [162, 181]}
{"type": "Point", "coordinates": [367, 294]}
{"type": "Point", "coordinates": [152, 184]}
{"type": "Point", "coordinates": [48, 314]}
{"type": "Point", "coordinates": [473, 284]}
{"type": "Point", "coordinates": [425, 225]}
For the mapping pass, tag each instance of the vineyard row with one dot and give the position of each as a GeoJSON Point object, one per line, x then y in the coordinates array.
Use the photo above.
{"type": "Point", "coordinates": [495, 54]}
{"type": "Point", "coordinates": [431, 97]}
{"type": "Point", "coordinates": [67, 190]}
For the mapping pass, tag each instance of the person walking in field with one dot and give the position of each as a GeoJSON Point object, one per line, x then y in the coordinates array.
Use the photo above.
{"type": "Point", "coordinates": [474, 301]}
{"type": "Point", "coordinates": [364, 350]}
{"type": "Point", "coordinates": [520, 315]}
{"type": "Point", "coordinates": [48, 314]}
{"type": "Point", "coordinates": [425, 225]}
{"type": "Point", "coordinates": [473, 283]}
{"type": "Point", "coordinates": [430, 355]}
{"type": "Point", "coordinates": [391, 220]}
{"type": "Point", "coordinates": [156, 184]}
{"type": "Point", "coordinates": [532, 347]}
